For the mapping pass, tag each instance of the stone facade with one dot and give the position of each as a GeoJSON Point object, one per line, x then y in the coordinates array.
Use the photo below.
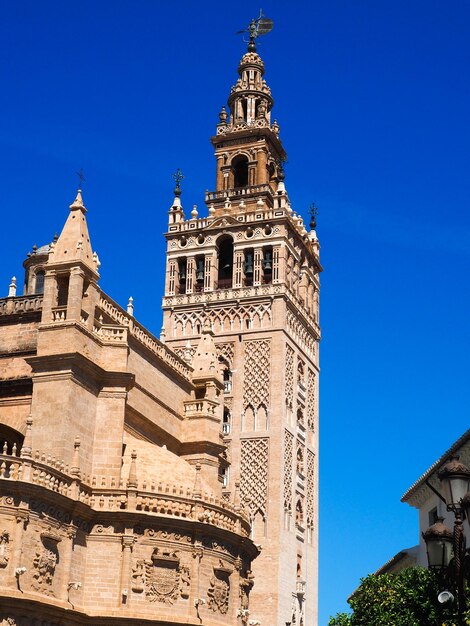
{"type": "Point", "coordinates": [172, 480]}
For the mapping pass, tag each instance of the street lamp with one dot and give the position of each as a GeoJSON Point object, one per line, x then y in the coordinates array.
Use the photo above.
{"type": "Point", "coordinates": [440, 541]}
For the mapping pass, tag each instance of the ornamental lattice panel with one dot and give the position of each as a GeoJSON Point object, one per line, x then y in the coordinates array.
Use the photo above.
{"type": "Point", "coordinates": [254, 474]}
{"type": "Point", "coordinates": [222, 320]}
{"type": "Point", "coordinates": [225, 351]}
{"type": "Point", "coordinates": [289, 377]}
{"type": "Point", "coordinates": [257, 374]}
{"type": "Point", "coordinates": [288, 465]}
{"type": "Point", "coordinates": [310, 488]}
{"type": "Point", "coordinates": [311, 401]}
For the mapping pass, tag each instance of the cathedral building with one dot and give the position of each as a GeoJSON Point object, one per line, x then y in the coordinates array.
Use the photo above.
{"type": "Point", "coordinates": [173, 480]}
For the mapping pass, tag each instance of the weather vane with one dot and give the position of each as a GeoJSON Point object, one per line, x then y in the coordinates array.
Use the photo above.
{"type": "Point", "coordinates": [313, 212]}
{"type": "Point", "coordinates": [178, 177]}
{"type": "Point", "coordinates": [258, 26]}
{"type": "Point", "coordinates": [81, 177]}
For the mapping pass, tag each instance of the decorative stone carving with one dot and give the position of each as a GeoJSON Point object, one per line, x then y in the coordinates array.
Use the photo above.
{"type": "Point", "coordinates": [256, 383]}
{"type": "Point", "coordinates": [45, 563]}
{"type": "Point", "coordinates": [288, 462]}
{"type": "Point", "coordinates": [246, 584]}
{"type": "Point", "coordinates": [220, 320]}
{"type": "Point", "coordinates": [162, 577]}
{"type": "Point", "coordinates": [225, 351]}
{"type": "Point", "coordinates": [310, 488]}
{"type": "Point", "coordinates": [300, 333]}
{"type": "Point", "coordinates": [254, 473]}
{"type": "Point", "coordinates": [310, 401]}
{"type": "Point", "coordinates": [4, 548]}
{"type": "Point", "coordinates": [289, 378]}
{"type": "Point", "coordinates": [219, 589]}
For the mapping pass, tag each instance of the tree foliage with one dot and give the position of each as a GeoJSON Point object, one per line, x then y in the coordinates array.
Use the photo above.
{"type": "Point", "coordinates": [405, 598]}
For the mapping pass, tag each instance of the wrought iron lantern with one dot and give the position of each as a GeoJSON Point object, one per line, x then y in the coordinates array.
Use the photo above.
{"type": "Point", "coordinates": [439, 544]}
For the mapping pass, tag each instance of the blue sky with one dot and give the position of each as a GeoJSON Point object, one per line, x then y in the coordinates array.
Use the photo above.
{"type": "Point", "coordinates": [373, 100]}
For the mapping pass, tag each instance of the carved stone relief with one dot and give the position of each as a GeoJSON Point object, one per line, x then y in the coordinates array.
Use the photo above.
{"type": "Point", "coordinates": [254, 473]}
{"type": "Point", "coordinates": [288, 463]}
{"type": "Point", "coordinates": [4, 548]}
{"type": "Point", "coordinates": [219, 589]}
{"type": "Point", "coordinates": [162, 577]}
{"type": "Point", "coordinates": [45, 563]}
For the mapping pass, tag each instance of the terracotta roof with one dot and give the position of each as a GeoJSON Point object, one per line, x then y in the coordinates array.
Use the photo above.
{"type": "Point", "coordinates": [403, 554]}
{"type": "Point", "coordinates": [454, 448]}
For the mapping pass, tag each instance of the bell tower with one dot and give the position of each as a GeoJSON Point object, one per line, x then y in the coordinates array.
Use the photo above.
{"type": "Point", "coordinates": [249, 273]}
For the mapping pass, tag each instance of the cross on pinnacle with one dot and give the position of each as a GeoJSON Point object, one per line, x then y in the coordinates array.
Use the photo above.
{"type": "Point", "coordinates": [313, 212]}
{"type": "Point", "coordinates": [81, 177]}
{"type": "Point", "coordinates": [178, 177]}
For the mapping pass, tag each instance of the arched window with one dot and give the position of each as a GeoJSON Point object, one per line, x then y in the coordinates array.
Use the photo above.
{"type": "Point", "coordinates": [10, 440]}
{"type": "Point", "coordinates": [240, 171]}
{"type": "Point", "coordinates": [39, 286]}
{"type": "Point", "coordinates": [182, 268]}
{"type": "Point", "coordinates": [227, 422]}
{"type": "Point", "coordinates": [299, 513]}
{"type": "Point", "coordinates": [267, 264]}
{"type": "Point", "coordinates": [199, 274]}
{"type": "Point", "coordinates": [225, 262]}
{"type": "Point", "coordinates": [62, 290]}
{"type": "Point", "coordinates": [248, 268]}
{"type": "Point", "coordinates": [300, 462]}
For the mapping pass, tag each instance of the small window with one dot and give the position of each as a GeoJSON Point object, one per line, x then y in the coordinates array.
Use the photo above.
{"type": "Point", "coordinates": [433, 516]}
{"type": "Point", "coordinates": [240, 171]}
{"type": "Point", "coordinates": [226, 423]}
{"type": "Point", "coordinates": [62, 290]}
{"type": "Point", "coordinates": [39, 287]}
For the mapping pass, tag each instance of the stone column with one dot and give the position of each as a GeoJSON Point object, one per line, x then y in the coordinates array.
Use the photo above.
{"type": "Point", "coordinates": [257, 273]}
{"type": "Point", "coordinates": [208, 282]}
{"type": "Point", "coordinates": [190, 274]}
{"type": "Point", "coordinates": [124, 589]}
{"type": "Point", "coordinates": [262, 172]}
{"type": "Point", "coordinates": [74, 300]}
{"type": "Point", "coordinates": [22, 519]}
{"type": "Point", "coordinates": [66, 558]}
{"type": "Point", "coordinates": [49, 298]}
{"type": "Point", "coordinates": [238, 265]}
{"type": "Point", "coordinates": [219, 175]}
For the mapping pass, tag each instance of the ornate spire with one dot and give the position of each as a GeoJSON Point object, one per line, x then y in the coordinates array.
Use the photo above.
{"type": "Point", "coordinates": [73, 243]}
{"type": "Point", "coordinates": [176, 210]}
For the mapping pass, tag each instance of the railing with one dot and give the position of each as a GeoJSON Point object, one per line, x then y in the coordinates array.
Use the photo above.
{"type": "Point", "coordinates": [20, 304]}
{"type": "Point", "coordinates": [199, 408]}
{"type": "Point", "coordinates": [143, 336]}
{"type": "Point", "coordinates": [103, 494]}
{"type": "Point", "coordinates": [59, 314]}
{"type": "Point", "coordinates": [238, 192]}
{"type": "Point", "coordinates": [111, 332]}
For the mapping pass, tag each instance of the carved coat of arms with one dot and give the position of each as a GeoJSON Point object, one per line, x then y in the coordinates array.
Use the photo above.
{"type": "Point", "coordinates": [219, 589]}
{"type": "Point", "coordinates": [162, 577]}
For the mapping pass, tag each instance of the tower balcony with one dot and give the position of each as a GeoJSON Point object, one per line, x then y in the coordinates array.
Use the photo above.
{"type": "Point", "coordinates": [239, 193]}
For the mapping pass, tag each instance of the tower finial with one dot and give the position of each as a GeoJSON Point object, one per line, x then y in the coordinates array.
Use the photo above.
{"type": "Point", "coordinates": [81, 179]}
{"type": "Point", "coordinates": [313, 212]}
{"type": "Point", "coordinates": [178, 177]}
{"type": "Point", "coordinates": [258, 26]}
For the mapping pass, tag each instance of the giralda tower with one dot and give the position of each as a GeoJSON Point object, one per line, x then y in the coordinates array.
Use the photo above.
{"type": "Point", "coordinates": [249, 272]}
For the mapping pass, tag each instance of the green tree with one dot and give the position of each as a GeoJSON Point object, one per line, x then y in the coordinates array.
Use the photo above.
{"type": "Point", "coordinates": [405, 598]}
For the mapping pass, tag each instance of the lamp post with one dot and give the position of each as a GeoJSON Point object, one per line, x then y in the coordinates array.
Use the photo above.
{"type": "Point", "coordinates": [440, 541]}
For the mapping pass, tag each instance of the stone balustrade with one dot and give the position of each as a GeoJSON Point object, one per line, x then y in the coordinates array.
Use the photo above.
{"type": "Point", "coordinates": [111, 333]}
{"type": "Point", "coordinates": [20, 304]}
{"type": "Point", "coordinates": [143, 336]}
{"type": "Point", "coordinates": [59, 314]}
{"type": "Point", "coordinates": [240, 192]}
{"type": "Point", "coordinates": [199, 408]}
{"type": "Point", "coordinates": [101, 493]}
